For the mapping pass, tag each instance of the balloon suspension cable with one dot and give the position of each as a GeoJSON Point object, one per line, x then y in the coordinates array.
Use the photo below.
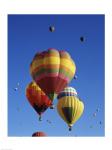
{"type": "Point", "coordinates": [70, 128]}
{"type": "Point", "coordinates": [40, 118]}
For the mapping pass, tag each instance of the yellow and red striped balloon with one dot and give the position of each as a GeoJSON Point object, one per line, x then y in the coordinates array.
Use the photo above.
{"type": "Point", "coordinates": [52, 70]}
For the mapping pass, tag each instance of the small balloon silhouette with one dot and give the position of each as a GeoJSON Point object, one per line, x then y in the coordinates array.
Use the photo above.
{"type": "Point", "coordinates": [51, 28]}
{"type": "Point", "coordinates": [82, 39]}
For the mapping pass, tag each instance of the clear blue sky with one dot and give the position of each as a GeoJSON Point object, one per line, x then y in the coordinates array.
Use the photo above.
{"type": "Point", "coordinates": [28, 34]}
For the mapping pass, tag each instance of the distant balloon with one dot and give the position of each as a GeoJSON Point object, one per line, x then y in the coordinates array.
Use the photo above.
{"type": "Point", "coordinates": [39, 133]}
{"type": "Point", "coordinates": [94, 115]}
{"type": "Point", "coordinates": [82, 39]}
{"type": "Point", "coordinates": [37, 98]}
{"type": "Point", "coordinates": [69, 107]}
{"type": "Point", "coordinates": [97, 109]}
{"type": "Point", "coordinates": [15, 89]}
{"type": "Point", "coordinates": [51, 28]}
{"type": "Point", "coordinates": [100, 122]}
{"type": "Point", "coordinates": [75, 77]}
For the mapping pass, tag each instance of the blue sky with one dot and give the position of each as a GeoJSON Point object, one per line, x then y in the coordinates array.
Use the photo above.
{"type": "Point", "coordinates": [28, 34]}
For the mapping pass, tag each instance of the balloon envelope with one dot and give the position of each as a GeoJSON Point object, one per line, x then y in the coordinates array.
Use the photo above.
{"type": "Point", "coordinates": [52, 70]}
{"type": "Point", "coordinates": [82, 39]}
{"type": "Point", "coordinates": [51, 28]}
{"type": "Point", "coordinates": [37, 98]}
{"type": "Point", "coordinates": [69, 107]}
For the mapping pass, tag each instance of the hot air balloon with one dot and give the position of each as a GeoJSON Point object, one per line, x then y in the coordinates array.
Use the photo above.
{"type": "Point", "coordinates": [51, 28]}
{"type": "Point", "coordinates": [75, 77]}
{"type": "Point", "coordinates": [39, 133]}
{"type": "Point", "coordinates": [94, 114]}
{"type": "Point", "coordinates": [100, 122]}
{"type": "Point", "coordinates": [82, 39]}
{"type": "Point", "coordinates": [97, 110]}
{"type": "Point", "coordinates": [37, 98]}
{"type": "Point", "coordinates": [69, 107]}
{"type": "Point", "coordinates": [52, 70]}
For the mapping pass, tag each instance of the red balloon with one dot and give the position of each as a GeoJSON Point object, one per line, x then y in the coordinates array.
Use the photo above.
{"type": "Point", "coordinates": [39, 133]}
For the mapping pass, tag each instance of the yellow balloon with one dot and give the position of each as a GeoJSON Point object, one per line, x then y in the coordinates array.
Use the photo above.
{"type": "Point", "coordinates": [69, 107]}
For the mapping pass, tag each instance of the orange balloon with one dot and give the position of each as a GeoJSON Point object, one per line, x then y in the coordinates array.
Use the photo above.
{"type": "Point", "coordinates": [37, 98]}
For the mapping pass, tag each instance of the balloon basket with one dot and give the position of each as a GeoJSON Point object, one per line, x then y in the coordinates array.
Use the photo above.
{"type": "Point", "coordinates": [52, 107]}
{"type": "Point", "coordinates": [70, 128]}
{"type": "Point", "coordinates": [40, 119]}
